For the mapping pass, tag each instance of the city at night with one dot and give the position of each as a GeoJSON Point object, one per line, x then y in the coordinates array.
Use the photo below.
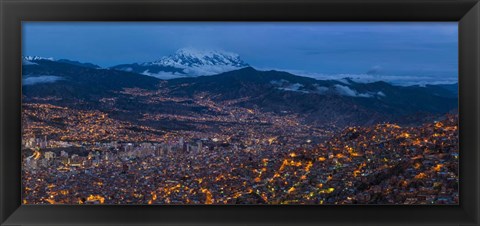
{"type": "Point", "coordinates": [194, 113]}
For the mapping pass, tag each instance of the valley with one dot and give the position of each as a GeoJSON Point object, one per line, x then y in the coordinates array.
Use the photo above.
{"type": "Point", "coordinates": [96, 135]}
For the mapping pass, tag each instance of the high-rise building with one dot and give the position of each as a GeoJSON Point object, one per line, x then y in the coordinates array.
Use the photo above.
{"type": "Point", "coordinates": [199, 146]}
{"type": "Point", "coordinates": [181, 142]}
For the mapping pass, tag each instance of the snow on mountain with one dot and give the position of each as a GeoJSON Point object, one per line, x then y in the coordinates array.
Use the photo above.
{"type": "Point", "coordinates": [35, 58]}
{"type": "Point", "coordinates": [187, 62]}
{"type": "Point", "coordinates": [27, 62]}
{"type": "Point", "coordinates": [192, 58]}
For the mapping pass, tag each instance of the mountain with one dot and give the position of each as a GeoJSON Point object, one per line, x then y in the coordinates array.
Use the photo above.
{"type": "Point", "coordinates": [453, 88]}
{"type": "Point", "coordinates": [337, 103]}
{"type": "Point", "coordinates": [187, 63]}
{"type": "Point", "coordinates": [35, 58]}
{"type": "Point", "coordinates": [344, 102]}
{"type": "Point", "coordinates": [89, 65]}
{"type": "Point", "coordinates": [32, 60]}
{"type": "Point", "coordinates": [64, 79]}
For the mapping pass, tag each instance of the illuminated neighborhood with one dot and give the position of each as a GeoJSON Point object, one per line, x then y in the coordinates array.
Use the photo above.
{"type": "Point", "coordinates": [97, 162]}
{"type": "Point", "coordinates": [240, 113]}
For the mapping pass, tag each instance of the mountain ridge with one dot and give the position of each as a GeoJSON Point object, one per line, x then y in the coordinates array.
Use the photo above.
{"type": "Point", "coordinates": [319, 102]}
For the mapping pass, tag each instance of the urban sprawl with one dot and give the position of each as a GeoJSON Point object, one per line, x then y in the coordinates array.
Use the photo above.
{"type": "Point", "coordinates": [274, 160]}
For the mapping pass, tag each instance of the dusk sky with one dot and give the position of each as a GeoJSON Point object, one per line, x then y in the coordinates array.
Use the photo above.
{"type": "Point", "coordinates": [403, 51]}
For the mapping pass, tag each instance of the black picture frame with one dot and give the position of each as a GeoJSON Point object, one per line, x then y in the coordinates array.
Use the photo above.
{"type": "Point", "coordinates": [13, 12]}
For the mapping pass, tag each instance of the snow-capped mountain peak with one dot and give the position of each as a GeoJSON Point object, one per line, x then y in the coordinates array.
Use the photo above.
{"type": "Point", "coordinates": [188, 62]}
{"type": "Point", "coordinates": [187, 57]}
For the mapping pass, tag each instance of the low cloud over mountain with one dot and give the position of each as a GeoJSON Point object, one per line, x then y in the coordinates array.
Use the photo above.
{"type": "Point", "coordinates": [32, 80]}
{"type": "Point", "coordinates": [344, 101]}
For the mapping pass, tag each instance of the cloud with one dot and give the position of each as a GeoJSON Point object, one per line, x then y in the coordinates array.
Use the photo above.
{"type": "Point", "coordinates": [285, 85]}
{"type": "Point", "coordinates": [163, 75]}
{"type": "Point", "coordinates": [321, 89]}
{"type": "Point", "coordinates": [346, 91]}
{"type": "Point", "coordinates": [380, 93]}
{"type": "Point", "coordinates": [40, 79]}
{"type": "Point", "coordinates": [209, 69]}
{"type": "Point", "coordinates": [344, 81]}
{"type": "Point", "coordinates": [377, 69]}
{"type": "Point", "coordinates": [27, 62]}
{"type": "Point", "coordinates": [293, 87]}
{"type": "Point", "coordinates": [279, 82]}
{"type": "Point", "coordinates": [401, 80]}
